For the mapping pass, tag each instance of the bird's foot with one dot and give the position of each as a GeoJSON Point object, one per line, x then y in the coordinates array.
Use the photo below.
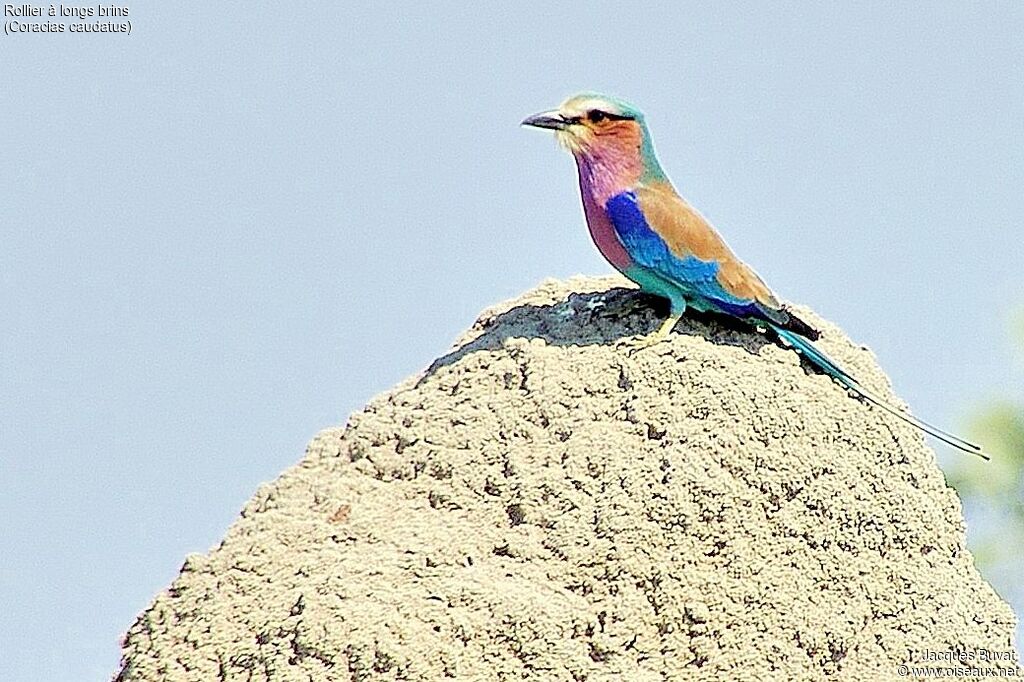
{"type": "Point", "coordinates": [638, 343]}
{"type": "Point", "coordinates": [635, 344]}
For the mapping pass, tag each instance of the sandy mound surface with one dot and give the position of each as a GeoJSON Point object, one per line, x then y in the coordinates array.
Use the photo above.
{"type": "Point", "coordinates": [539, 504]}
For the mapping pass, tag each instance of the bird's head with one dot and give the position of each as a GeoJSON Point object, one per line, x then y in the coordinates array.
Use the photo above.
{"type": "Point", "coordinates": [600, 129]}
{"type": "Point", "coordinates": [588, 121]}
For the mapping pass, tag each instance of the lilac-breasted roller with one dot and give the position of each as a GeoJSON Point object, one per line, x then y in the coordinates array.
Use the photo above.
{"type": "Point", "coordinates": [651, 235]}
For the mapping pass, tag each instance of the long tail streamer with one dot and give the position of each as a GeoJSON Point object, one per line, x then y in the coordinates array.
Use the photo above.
{"type": "Point", "coordinates": [829, 367]}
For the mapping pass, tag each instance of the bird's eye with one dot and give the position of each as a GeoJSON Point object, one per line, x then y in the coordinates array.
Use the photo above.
{"type": "Point", "coordinates": [596, 116]}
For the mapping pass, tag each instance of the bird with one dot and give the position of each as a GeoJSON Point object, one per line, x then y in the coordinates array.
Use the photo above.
{"type": "Point", "coordinates": [649, 233]}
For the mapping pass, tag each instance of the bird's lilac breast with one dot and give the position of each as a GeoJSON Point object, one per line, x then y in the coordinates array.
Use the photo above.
{"type": "Point", "coordinates": [602, 231]}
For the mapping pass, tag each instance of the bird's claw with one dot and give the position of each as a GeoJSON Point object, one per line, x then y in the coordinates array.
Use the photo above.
{"type": "Point", "coordinates": [635, 344]}
{"type": "Point", "coordinates": [638, 343]}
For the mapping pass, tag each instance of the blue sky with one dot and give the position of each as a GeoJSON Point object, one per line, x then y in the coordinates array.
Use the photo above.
{"type": "Point", "coordinates": [231, 228]}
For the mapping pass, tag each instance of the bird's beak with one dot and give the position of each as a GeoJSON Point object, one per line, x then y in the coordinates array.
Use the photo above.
{"type": "Point", "coordinates": [549, 119]}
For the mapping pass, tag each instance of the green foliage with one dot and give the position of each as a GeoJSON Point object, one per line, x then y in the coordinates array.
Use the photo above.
{"type": "Point", "coordinates": [993, 494]}
{"type": "Point", "coordinates": [1001, 428]}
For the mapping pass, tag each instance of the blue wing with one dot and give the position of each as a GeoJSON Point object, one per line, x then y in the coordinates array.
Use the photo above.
{"type": "Point", "coordinates": [696, 278]}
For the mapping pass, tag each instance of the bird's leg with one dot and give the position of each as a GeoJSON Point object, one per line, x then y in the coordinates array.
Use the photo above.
{"type": "Point", "coordinates": [641, 342]}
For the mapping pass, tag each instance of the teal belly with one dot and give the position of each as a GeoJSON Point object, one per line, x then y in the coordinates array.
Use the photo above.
{"type": "Point", "coordinates": [653, 283]}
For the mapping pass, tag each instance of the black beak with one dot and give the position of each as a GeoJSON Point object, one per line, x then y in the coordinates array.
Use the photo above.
{"type": "Point", "coordinates": [549, 119]}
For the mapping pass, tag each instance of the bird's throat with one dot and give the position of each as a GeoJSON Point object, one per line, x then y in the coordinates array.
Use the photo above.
{"type": "Point", "coordinates": [607, 172]}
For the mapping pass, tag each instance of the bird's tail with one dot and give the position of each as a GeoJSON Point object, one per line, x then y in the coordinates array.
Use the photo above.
{"type": "Point", "coordinates": [829, 367]}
